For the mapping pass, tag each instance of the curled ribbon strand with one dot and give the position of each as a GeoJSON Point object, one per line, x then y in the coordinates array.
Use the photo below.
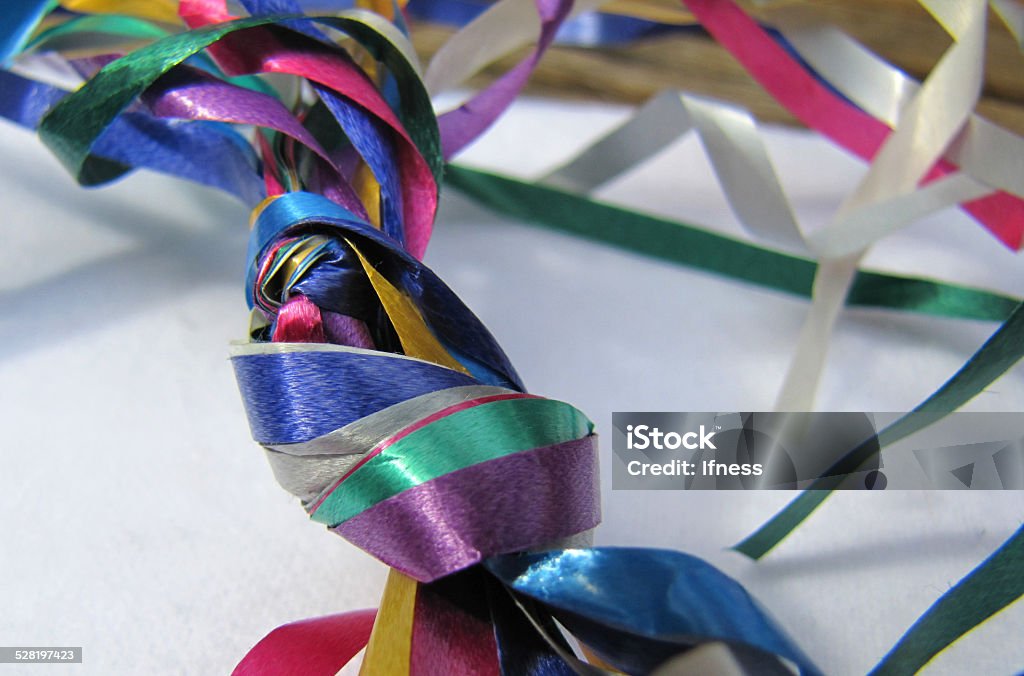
{"type": "Point", "coordinates": [387, 407]}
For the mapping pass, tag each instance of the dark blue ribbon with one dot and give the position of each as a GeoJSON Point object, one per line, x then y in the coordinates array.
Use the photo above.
{"type": "Point", "coordinates": [374, 144]}
{"type": "Point", "coordinates": [208, 153]}
{"type": "Point", "coordinates": [458, 329]}
{"type": "Point", "coordinates": [292, 397]}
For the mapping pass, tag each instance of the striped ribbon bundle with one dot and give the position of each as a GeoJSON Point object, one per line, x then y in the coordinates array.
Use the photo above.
{"type": "Point", "coordinates": [385, 405]}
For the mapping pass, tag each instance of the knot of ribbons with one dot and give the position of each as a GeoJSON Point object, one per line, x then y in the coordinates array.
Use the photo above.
{"type": "Point", "coordinates": [382, 402]}
{"type": "Point", "coordinates": [389, 410]}
{"type": "Point", "coordinates": [428, 454]}
{"type": "Point", "coordinates": [385, 405]}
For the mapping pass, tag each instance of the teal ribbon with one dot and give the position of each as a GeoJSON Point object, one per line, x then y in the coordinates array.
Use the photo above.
{"type": "Point", "coordinates": [453, 442]}
{"type": "Point", "coordinates": [704, 250]}
{"type": "Point", "coordinates": [994, 584]}
{"type": "Point", "coordinates": [999, 353]}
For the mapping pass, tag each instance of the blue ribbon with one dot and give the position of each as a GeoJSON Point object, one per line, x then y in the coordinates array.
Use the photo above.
{"type": "Point", "coordinates": [209, 153]}
{"type": "Point", "coordinates": [20, 19]}
{"type": "Point", "coordinates": [373, 142]}
{"type": "Point", "coordinates": [454, 324]}
{"type": "Point", "coordinates": [638, 607]}
{"type": "Point", "coordinates": [591, 29]}
{"type": "Point", "coordinates": [292, 397]}
{"type": "Point", "coordinates": [521, 650]}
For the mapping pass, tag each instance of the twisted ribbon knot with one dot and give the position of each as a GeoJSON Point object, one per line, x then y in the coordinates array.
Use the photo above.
{"type": "Point", "coordinates": [387, 407]}
{"type": "Point", "coordinates": [398, 421]}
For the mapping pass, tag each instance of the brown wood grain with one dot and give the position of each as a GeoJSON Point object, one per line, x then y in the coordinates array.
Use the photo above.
{"type": "Point", "coordinates": [900, 31]}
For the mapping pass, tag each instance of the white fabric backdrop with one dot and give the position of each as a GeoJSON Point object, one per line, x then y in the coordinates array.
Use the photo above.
{"type": "Point", "coordinates": [137, 518]}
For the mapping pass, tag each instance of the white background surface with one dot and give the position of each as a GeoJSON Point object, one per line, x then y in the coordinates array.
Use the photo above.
{"type": "Point", "coordinates": [138, 519]}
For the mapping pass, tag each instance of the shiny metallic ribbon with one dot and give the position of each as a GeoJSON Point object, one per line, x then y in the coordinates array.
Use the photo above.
{"type": "Point", "coordinates": [416, 466]}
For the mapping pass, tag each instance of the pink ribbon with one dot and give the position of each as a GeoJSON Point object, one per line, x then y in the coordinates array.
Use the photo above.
{"type": "Point", "coordinates": [316, 647]}
{"type": "Point", "coordinates": [816, 106]}
{"type": "Point", "coordinates": [259, 51]}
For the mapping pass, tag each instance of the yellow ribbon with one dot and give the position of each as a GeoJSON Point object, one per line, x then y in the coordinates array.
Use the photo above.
{"type": "Point", "coordinates": [390, 648]}
{"type": "Point", "coordinates": [165, 11]}
{"type": "Point", "coordinates": [368, 189]}
{"type": "Point", "coordinates": [417, 339]}
{"type": "Point", "coordinates": [386, 8]}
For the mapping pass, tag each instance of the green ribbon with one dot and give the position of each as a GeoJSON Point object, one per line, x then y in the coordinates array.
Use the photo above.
{"type": "Point", "coordinates": [994, 584]}
{"type": "Point", "coordinates": [72, 126]}
{"type": "Point", "coordinates": [697, 248]}
{"type": "Point", "coordinates": [137, 29]}
{"type": "Point", "coordinates": [1000, 352]}
{"type": "Point", "coordinates": [459, 440]}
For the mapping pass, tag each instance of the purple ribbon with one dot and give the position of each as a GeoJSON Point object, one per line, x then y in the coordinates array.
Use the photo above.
{"type": "Point", "coordinates": [462, 126]}
{"type": "Point", "coordinates": [537, 496]}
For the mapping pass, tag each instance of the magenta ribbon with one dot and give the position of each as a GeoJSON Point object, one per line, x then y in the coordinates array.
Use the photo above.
{"type": "Point", "coordinates": [259, 51]}
{"type": "Point", "coordinates": [819, 108]}
{"type": "Point", "coordinates": [315, 647]}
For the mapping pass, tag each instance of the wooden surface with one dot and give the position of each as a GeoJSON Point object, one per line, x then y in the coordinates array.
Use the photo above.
{"type": "Point", "coordinates": [900, 31]}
